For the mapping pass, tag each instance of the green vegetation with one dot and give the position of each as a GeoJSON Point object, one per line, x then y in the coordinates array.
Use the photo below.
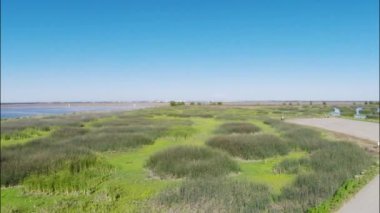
{"type": "Point", "coordinates": [292, 166]}
{"type": "Point", "coordinates": [229, 128]}
{"type": "Point", "coordinates": [112, 161]}
{"type": "Point", "coordinates": [70, 143]}
{"type": "Point", "coordinates": [24, 135]}
{"type": "Point", "coordinates": [348, 189]}
{"type": "Point", "coordinates": [191, 161]}
{"type": "Point", "coordinates": [175, 103]}
{"type": "Point", "coordinates": [214, 195]}
{"type": "Point", "coordinates": [250, 146]}
{"type": "Point", "coordinates": [81, 177]}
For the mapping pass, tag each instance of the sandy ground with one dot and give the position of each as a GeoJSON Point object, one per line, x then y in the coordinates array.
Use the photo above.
{"type": "Point", "coordinates": [367, 199]}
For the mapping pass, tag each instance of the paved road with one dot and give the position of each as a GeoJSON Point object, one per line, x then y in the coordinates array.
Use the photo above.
{"type": "Point", "coordinates": [359, 129]}
{"type": "Point", "coordinates": [367, 199]}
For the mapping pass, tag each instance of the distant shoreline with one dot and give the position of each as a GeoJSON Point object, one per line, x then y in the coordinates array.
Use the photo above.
{"type": "Point", "coordinates": [76, 104]}
{"type": "Point", "coordinates": [10, 111]}
{"type": "Point", "coordinates": [121, 103]}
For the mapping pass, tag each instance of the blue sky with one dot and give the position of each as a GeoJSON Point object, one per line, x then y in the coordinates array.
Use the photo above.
{"type": "Point", "coordinates": [92, 50]}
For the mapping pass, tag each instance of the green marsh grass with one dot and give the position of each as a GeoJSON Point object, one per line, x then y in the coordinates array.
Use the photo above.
{"type": "Point", "coordinates": [191, 161]}
{"type": "Point", "coordinates": [239, 128]}
{"type": "Point", "coordinates": [245, 146]}
{"type": "Point", "coordinates": [24, 135]}
{"type": "Point", "coordinates": [98, 163]}
{"type": "Point", "coordinates": [213, 195]}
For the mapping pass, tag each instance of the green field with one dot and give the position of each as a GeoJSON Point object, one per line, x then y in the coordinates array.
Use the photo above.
{"type": "Point", "coordinates": [174, 159]}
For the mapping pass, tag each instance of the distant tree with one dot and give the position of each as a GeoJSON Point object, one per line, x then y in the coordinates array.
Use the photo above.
{"type": "Point", "coordinates": [174, 103]}
{"type": "Point", "coordinates": [192, 103]}
{"type": "Point", "coordinates": [366, 103]}
{"type": "Point", "coordinates": [324, 103]}
{"type": "Point", "coordinates": [199, 103]}
{"type": "Point", "coordinates": [290, 103]}
{"type": "Point", "coordinates": [219, 103]}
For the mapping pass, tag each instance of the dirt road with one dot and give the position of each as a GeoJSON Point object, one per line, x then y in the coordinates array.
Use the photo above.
{"type": "Point", "coordinates": [367, 199]}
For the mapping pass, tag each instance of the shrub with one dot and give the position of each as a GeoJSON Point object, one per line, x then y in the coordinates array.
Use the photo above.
{"type": "Point", "coordinates": [191, 161]}
{"type": "Point", "coordinates": [250, 146]}
{"type": "Point", "coordinates": [228, 128]}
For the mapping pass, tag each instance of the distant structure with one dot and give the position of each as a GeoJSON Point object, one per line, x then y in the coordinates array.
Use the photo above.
{"type": "Point", "coordinates": [358, 115]}
{"type": "Point", "coordinates": [335, 113]}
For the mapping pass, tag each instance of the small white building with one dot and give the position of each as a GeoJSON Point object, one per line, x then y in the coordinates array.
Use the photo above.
{"type": "Point", "coordinates": [358, 115]}
{"type": "Point", "coordinates": [335, 113]}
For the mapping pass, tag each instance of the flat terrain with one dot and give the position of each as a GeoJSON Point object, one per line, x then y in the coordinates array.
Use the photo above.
{"type": "Point", "coordinates": [18, 110]}
{"type": "Point", "coordinates": [368, 198]}
{"type": "Point", "coordinates": [177, 159]}
{"type": "Point", "coordinates": [360, 129]}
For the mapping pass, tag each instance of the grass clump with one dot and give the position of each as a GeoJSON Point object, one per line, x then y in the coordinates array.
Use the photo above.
{"type": "Point", "coordinates": [350, 187]}
{"type": "Point", "coordinates": [331, 167]}
{"type": "Point", "coordinates": [242, 128]}
{"type": "Point", "coordinates": [68, 143]}
{"type": "Point", "coordinates": [299, 137]}
{"type": "Point", "coordinates": [100, 141]}
{"type": "Point", "coordinates": [191, 161]}
{"type": "Point", "coordinates": [23, 136]}
{"type": "Point", "coordinates": [181, 131]}
{"type": "Point", "coordinates": [80, 175]}
{"type": "Point", "coordinates": [214, 195]}
{"type": "Point", "coordinates": [305, 139]}
{"type": "Point", "coordinates": [66, 132]}
{"type": "Point", "coordinates": [250, 146]}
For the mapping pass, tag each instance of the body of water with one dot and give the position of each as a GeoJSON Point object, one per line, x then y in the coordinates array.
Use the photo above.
{"type": "Point", "coordinates": [28, 110]}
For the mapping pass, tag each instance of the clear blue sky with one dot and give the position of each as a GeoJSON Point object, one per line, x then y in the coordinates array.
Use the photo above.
{"type": "Point", "coordinates": [98, 50]}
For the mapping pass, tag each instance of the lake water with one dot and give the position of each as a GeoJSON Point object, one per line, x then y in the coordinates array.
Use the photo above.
{"type": "Point", "coordinates": [28, 110]}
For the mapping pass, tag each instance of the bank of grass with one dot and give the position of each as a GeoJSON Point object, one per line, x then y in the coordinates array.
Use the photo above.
{"type": "Point", "coordinates": [191, 161]}
{"type": "Point", "coordinates": [80, 176]}
{"type": "Point", "coordinates": [239, 128]}
{"type": "Point", "coordinates": [24, 135]}
{"type": "Point", "coordinates": [245, 146]}
{"type": "Point", "coordinates": [330, 164]}
{"type": "Point", "coordinates": [213, 195]}
{"type": "Point", "coordinates": [346, 191]}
